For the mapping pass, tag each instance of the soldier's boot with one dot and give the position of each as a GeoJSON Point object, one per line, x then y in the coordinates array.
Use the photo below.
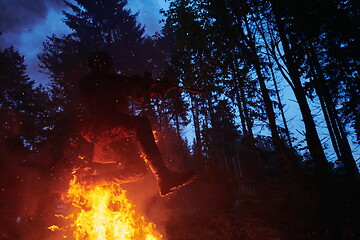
{"type": "Point", "coordinates": [169, 181]}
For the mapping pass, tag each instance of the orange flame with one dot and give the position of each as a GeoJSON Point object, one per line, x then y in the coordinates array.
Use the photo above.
{"type": "Point", "coordinates": [103, 212]}
{"type": "Point", "coordinates": [156, 136]}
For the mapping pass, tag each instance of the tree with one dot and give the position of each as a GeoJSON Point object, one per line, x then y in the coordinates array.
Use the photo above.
{"type": "Point", "coordinates": [23, 106]}
{"type": "Point", "coordinates": [100, 25]}
{"type": "Point", "coordinates": [233, 17]}
{"type": "Point", "coordinates": [305, 52]}
{"type": "Point", "coordinates": [109, 26]}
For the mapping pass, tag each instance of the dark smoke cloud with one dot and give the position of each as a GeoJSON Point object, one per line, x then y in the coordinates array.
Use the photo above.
{"type": "Point", "coordinates": [19, 15]}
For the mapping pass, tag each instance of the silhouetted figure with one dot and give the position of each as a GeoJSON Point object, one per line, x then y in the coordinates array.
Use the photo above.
{"type": "Point", "coordinates": [111, 128]}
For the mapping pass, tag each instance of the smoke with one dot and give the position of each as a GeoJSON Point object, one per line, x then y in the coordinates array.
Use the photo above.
{"type": "Point", "coordinates": [144, 194]}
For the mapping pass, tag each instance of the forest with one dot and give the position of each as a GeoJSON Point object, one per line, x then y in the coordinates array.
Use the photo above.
{"type": "Point", "coordinates": [262, 174]}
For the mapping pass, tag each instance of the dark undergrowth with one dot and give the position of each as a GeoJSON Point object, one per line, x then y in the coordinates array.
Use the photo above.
{"type": "Point", "coordinates": [288, 208]}
{"type": "Point", "coordinates": [278, 208]}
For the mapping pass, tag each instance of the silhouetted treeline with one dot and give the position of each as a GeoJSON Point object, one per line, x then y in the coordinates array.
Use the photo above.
{"type": "Point", "coordinates": [242, 54]}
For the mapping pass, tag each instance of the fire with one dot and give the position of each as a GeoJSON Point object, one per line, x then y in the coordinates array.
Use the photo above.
{"type": "Point", "coordinates": [156, 136]}
{"type": "Point", "coordinates": [103, 212]}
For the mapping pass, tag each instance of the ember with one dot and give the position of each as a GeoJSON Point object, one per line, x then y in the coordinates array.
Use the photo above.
{"type": "Point", "coordinates": [103, 211]}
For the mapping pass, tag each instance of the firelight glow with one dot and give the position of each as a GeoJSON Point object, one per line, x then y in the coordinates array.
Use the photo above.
{"type": "Point", "coordinates": [103, 212]}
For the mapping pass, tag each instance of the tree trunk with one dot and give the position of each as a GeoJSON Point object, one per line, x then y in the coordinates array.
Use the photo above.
{"type": "Point", "coordinates": [311, 134]}
{"type": "Point", "coordinates": [285, 161]}
{"type": "Point", "coordinates": [281, 107]}
{"type": "Point", "coordinates": [247, 43]}
{"type": "Point", "coordinates": [195, 114]}
{"type": "Point", "coordinates": [334, 124]}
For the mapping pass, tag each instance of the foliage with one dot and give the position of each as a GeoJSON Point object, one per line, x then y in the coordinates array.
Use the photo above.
{"type": "Point", "coordinates": [253, 183]}
{"type": "Point", "coordinates": [23, 106]}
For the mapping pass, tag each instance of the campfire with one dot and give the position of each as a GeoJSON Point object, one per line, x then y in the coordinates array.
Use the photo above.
{"type": "Point", "coordinates": [103, 212]}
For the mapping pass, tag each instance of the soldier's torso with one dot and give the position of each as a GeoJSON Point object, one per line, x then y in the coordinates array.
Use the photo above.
{"type": "Point", "coordinates": [105, 93]}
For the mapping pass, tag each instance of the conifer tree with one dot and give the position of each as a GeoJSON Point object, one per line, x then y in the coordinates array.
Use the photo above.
{"type": "Point", "coordinates": [23, 106]}
{"type": "Point", "coordinates": [97, 25]}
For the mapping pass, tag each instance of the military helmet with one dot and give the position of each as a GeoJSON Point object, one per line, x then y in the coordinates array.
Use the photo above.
{"type": "Point", "coordinates": [99, 61]}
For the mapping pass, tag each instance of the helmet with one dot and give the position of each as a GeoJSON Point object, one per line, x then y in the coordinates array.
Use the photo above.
{"type": "Point", "coordinates": [99, 61]}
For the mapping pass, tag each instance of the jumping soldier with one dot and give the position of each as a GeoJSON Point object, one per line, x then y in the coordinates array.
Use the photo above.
{"type": "Point", "coordinates": [110, 126]}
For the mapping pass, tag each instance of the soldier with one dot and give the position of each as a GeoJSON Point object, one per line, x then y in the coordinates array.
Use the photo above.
{"type": "Point", "coordinates": [107, 96]}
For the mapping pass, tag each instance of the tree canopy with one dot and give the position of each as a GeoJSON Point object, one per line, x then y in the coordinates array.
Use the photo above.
{"type": "Point", "coordinates": [245, 56]}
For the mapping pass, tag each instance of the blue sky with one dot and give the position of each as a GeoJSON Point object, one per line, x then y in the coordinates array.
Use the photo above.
{"type": "Point", "coordinates": [26, 23]}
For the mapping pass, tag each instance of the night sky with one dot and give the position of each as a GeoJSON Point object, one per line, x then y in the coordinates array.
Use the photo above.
{"type": "Point", "coordinates": [26, 23]}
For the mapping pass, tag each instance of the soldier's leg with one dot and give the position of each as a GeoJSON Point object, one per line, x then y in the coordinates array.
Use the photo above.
{"type": "Point", "coordinates": [140, 128]}
{"type": "Point", "coordinates": [114, 173]}
{"type": "Point", "coordinates": [168, 180]}
{"type": "Point", "coordinates": [148, 145]}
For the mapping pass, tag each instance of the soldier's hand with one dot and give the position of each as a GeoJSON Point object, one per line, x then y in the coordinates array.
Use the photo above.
{"type": "Point", "coordinates": [162, 87]}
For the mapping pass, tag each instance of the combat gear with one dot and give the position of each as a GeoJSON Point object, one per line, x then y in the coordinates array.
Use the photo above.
{"type": "Point", "coordinates": [110, 126]}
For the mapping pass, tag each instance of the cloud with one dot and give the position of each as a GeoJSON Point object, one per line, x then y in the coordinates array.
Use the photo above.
{"type": "Point", "coordinates": [30, 43]}
{"type": "Point", "coordinates": [19, 15]}
{"type": "Point", "coordinates": [25, 25]}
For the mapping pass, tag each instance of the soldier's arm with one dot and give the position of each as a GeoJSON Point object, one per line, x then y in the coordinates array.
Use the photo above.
{"type": "Point", "coordinates": [142, 88]}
